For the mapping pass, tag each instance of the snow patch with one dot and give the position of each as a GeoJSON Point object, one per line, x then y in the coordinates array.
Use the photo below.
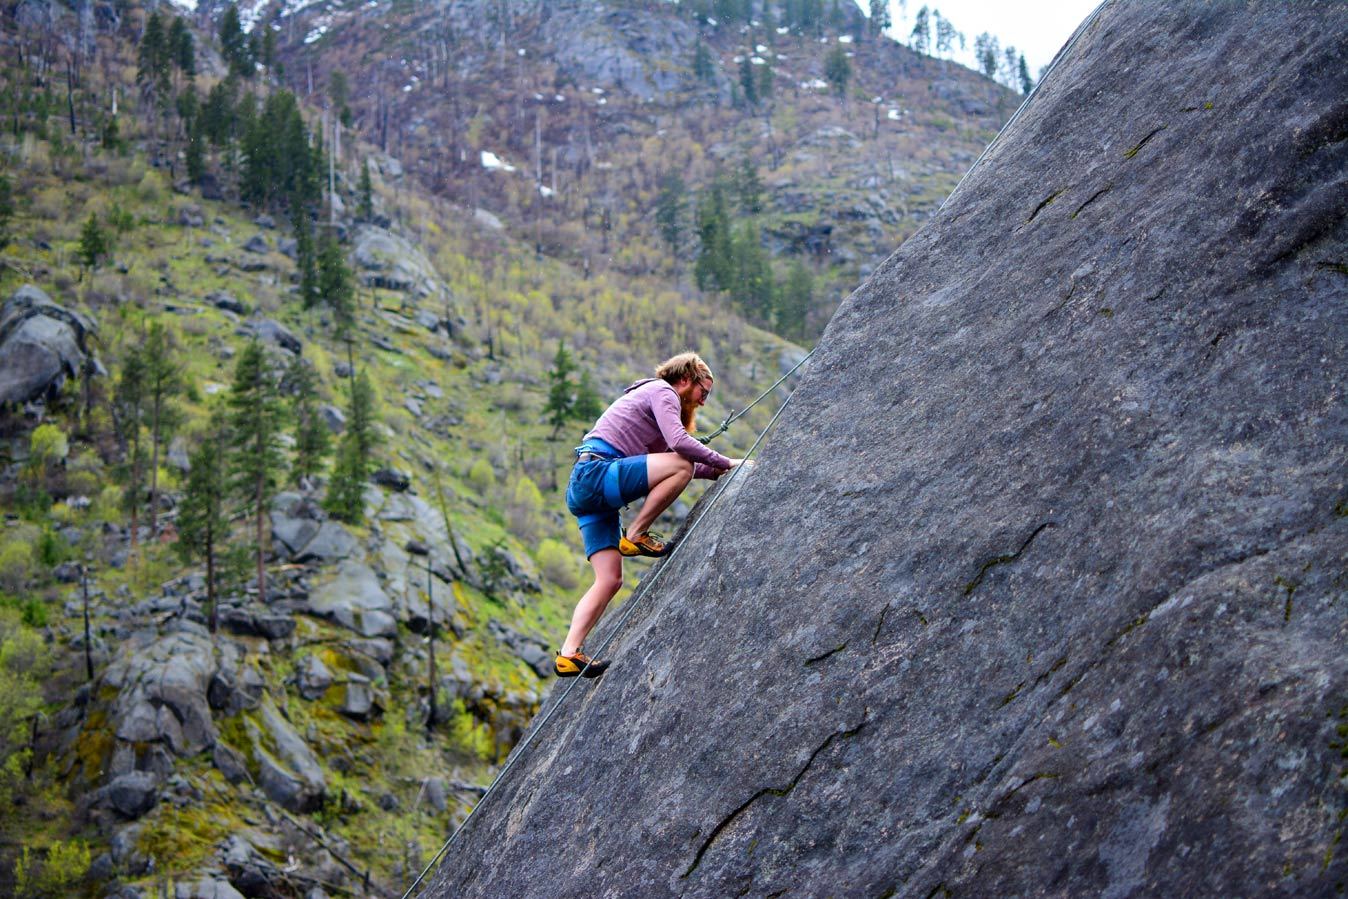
{"type": "Point", "coordinates": [491, 161]}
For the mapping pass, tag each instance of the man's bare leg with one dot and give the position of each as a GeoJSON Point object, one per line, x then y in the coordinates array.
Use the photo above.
{"type": "Point", "coordinates": [608, 580]}
{"type": "Point", "coordinates": [667, 474]}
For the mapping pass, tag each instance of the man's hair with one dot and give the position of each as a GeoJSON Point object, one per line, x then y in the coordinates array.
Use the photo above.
{"type": "Point", "coordinates": [690, 367]}
{"type": "Point", "coordinates": [685, 366]}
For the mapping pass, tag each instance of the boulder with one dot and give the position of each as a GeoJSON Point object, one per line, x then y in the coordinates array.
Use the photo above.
{"type": "Point", "coordinates": [206, 888]}
{"type": "Point", "coordinates": [289, 773]}
{"type": "Point", "coordinates": [388, 261]}
{"type": "Point", "coordinates": [257, 244]}
{"type": "Point", "coordinates": [392, 479]}
{"type": "Point", "coordinates": [358, 702]}
{"type": "Point", "coordinates": [249, 872]}
{"type": "Point", "coordinates": [41, 346]}
{"type": "Point", "coordinates": [332, 541]}
{"type": "Point", "coordinates": [354, 599]}
{"type": "Point", "coordinates": [162, 692]}
{"type": "Point", "coordinates": [230, 764]}
{"type": "Point", "coordinates": [132, 794]}
{"type": "Point", "coordinates": [333, 417]}
{"type": "Point", "coordinates": [1057, 607]}
{"type": "Point", "coordinates": [313, 677]}
{"type": "Point", "coordinates": [270, 331]}
{"type": "Point", "coordinates": [221, 299]}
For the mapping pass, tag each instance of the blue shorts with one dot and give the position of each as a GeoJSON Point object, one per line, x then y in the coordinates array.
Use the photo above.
{"type": "Point", "coordinates": [599, 488]}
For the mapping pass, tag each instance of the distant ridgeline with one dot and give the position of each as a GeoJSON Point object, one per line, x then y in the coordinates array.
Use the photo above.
{"type": "Point", "coordinates": [1041, 587]}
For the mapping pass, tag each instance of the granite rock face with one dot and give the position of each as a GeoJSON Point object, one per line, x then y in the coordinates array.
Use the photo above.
{"type": "Point", "coordinates": [1060, 596]}
{"type": "Point", "coordinates": [41, 346]}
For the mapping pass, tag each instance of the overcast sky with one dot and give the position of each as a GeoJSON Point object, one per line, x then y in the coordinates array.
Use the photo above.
{"type": "Point", "coordinates": [1037, 28]}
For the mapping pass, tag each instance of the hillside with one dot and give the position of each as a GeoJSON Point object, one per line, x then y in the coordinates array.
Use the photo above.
{"type": "Point", "coordinates": [326, 731]}
{"type": "Point", "coordinates": [1062, 611]}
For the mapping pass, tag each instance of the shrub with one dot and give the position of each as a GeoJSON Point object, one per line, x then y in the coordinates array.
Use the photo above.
{"type": "Point", "coordinates": [524, 510]}
{"type": "Point", "coordinates": [16, 560]}
{"type": "Point", "coordinates": [482, 477]}
{"type": "Point", "coordinates": [558, 563]}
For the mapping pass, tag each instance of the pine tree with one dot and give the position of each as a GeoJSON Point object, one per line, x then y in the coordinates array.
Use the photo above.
{"type": "Point", "coordinates": [94, 243]}
{"type": "Point", "coordinates": [753, 286]}
{"type": "Point", "coordinates": [346, 489]}
{"type": "Point", "coordinates": [335, 285]}
{"type": "Point", "coordinates": [986, 51]}
{"type": "Point", "coordinates": [1023, 73]}
{"type": "Point", "coordinates": [365, 208]}
{"type": "Point", "coordinates": [162, 384]}
{"type": "Point", "coordinates": [154, 58]}
{"type": "Point", "coordinates": [879, 19]}
{"type": "Point", "coordinates": [128, 416]}
{"type": "Point", "coordinates": [560, 407]}
{"type": "Point", "coordinates": [196, 155]}
{"type": "Point", "coordinates": [765, 81]}
{"type": "Point", "coordinates": [182, 48]}
{"type": "Point", "coordinates": [920, 37]}
{"type": "Point", "coordinates": [203, 525]}
{"type": "Point", "coordinates": [587, 407]}
{"type": "Point", "coordinates": [6, 209]}
{"type": "Point", "coordinates": [748, 187]}
{"type": "Point", "coordinates": [312, 440]}
{"type": "Point", "coordinates": [703, 68]}
{"type": "Point", "coordinates": [713, 269]}
{"type": "Point", "coordinates": [748, 83]}
{"type": "Point", "coordinates": [670, 209]}
{"type": "Point", "coordinates": [234, 44]}
{"type": "Point", "coordinates": [306, 257]}
{"type": "Point", "coordinates": [838, 70]}
{"type": "Point", "coordinates": [255, 430]}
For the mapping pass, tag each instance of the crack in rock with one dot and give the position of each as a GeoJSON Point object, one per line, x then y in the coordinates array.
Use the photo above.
{"type": "Point", "coordinates": [1004, 559]}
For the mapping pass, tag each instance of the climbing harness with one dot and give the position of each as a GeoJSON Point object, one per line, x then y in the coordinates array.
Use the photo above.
{"type": "Point", "coordinates": [646, 587]}
{"type": "Point", "coordinates": [735, 416]}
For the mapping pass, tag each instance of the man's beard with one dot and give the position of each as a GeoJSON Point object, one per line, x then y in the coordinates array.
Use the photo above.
{"type": "Point", "coordinates": [688, 411]}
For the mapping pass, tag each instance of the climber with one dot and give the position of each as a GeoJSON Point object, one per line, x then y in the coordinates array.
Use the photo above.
{"type": "Point", "coordinates": [638, 447]}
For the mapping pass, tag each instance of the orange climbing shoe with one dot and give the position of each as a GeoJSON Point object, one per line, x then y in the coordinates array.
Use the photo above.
{"type": "Point", "coordinates": [645, 545]}
{"type": "Point", "coordinates": [570, 666]}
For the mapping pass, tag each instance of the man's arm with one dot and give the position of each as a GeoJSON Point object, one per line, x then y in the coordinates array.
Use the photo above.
{"type": "Point", "coordinates": [665, 406]}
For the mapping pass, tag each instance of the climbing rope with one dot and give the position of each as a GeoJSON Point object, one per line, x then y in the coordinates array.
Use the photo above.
{"type": "Point", "coordinates": [736, 416]}
{"type": "Point", "coordinates": [647, 586]}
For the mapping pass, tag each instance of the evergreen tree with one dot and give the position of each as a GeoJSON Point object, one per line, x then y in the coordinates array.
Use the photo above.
{"type": "Point", "coordinates": [196, 156]}
{"type": "Point", "coordinates": [1023, 73]}
{"type": "Point", "coordinates": [203, 525]}
{"type": "Point", "coordinates": [182, 48]}
{"type": "Point", "coordinates": [947, 36]}
{"type": "Point", "coordinates": [365, 208]}
{"type": "Point", "coordinates": [587, 407]}
{"type": "Point", "coordinates": [1008, 71]}
{"type": "Point", "coordinates": [268, 52]}
{"type": "Point", "coordinates": [714, 267]}
{"type": "Point", "coordinates": [128, 405]}
{"type": "Point", "coordinates": [335, 285]}
{"type": "Point", "coordinates": [312, 440]}
{"type": "Point", "coordinates": [765, 81]}
{"type": "Point", "coordinates": [162, 384]}
{"type": "Point", "coordinates": [6, 209]}
{"type": "Point", "coordinates": [986, 51]}
{"type": "Point", "coordinates": [920, 37]}
{"type": "Point", "coordinates": [345, 499]}
{"type": "Point", "coordinates": [560, 407]}
{"type": "Point", "coordinates": [255, 414]}
{"type": "Point", "coordinates": [748, 187]}
{"type": "Point", "coordinates": [754, 288]}
{"type": "Point", "coordinates": [94, 243]}
{"type": "Point", "coordinates": [748, 83]}
{"type": "Point", "coordinates": [879, 19]}
{"type": "Point", "coordinates": [234, 43]}
{"type": "Point", "coordinates": [670, 209]}
{"type": "Point", "coordinates": [306, 259]}
{"type": "Point", "coordinates": [154, 58]}
{"type": "Point", "coordinates": [339, 94]}
{"type": "Point", "coordinates": [218, 114]}
{"type": "Point", "coordinates": [838, 70]}
{"type": "Point", "coordinates": [280, 165]}
{"type": "Point", "coordinates": [703, 68]}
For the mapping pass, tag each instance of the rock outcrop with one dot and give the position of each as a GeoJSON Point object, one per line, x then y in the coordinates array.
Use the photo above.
{"type": "Point", "coordinates": [1039, 587]}
{"type": "Point", "coordinates": [41, 346]}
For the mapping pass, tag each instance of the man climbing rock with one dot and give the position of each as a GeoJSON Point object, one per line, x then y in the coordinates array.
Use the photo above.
{"type": "Point", "coordinates": [638, 447]}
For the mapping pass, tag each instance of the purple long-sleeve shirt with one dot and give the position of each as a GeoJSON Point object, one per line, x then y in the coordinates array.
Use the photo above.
{"type": "Point", "coordinates": [646, 419]}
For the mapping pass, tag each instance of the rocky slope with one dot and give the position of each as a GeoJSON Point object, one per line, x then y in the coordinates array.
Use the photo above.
{"type": "Point", "coordinates": [1039, 588]}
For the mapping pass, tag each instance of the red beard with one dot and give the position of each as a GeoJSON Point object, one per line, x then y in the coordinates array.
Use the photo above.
{"type": "Point", "coordinates": [688, 411]}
